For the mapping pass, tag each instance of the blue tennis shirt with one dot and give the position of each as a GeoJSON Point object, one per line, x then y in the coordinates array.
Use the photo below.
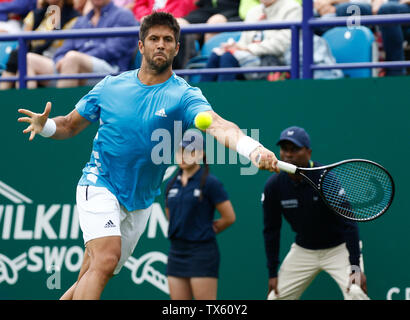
{"type": "Point", "coordinates": [129, 112]}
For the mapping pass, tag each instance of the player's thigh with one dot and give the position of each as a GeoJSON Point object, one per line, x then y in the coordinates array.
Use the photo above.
{"type": "Point", "coordinates": [179, 288]}
{"type": "Point", "coordinates": [132, 226]}
{"type": "Point", "coordinates": [99, 217]}
{"type": "Point", "coordinates": [297, 271]}
{"type": "Point", "coordinates": [105, 253]}
{"type": "Point", "coordinates": [85, 264]}
{"type": "Point", "coordinates": [204, 288]}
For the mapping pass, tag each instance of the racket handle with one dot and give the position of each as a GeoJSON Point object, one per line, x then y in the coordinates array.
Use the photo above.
{"type": "Point", "coordinates": [283, 166]}
{"type": "Point", "coordinates": [287, 167]}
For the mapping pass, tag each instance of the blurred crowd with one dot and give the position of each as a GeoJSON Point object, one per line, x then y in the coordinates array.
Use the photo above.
{"type": "Point", "coordinates": [112, 55]}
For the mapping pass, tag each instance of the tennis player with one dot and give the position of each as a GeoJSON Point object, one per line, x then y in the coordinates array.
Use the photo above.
{"type": "Point", "coordinates": [121, 180]}
{"type": "Point", "coordinates": [324, 240]}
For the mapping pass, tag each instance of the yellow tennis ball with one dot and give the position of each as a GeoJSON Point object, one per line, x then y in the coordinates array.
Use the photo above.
{"type": "Point", "coordinates": [203, 120]}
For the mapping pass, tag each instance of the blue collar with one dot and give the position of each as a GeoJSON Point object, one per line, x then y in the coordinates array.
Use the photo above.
{"type": "Point", "coordinates": [104, 9]}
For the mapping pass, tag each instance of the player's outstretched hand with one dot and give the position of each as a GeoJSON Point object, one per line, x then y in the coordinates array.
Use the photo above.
{"type": "Point", "coordinates": [36, 121]}
{"type": "Point", "coordinates": [264, 159]}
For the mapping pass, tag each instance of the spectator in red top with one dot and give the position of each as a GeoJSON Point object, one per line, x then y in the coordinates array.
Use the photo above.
{"type": "Point", "coordinates": [178, 8]}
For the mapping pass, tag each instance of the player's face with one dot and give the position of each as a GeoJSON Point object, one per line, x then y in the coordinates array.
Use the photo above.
{"type": "Point", "coordinates": [290, 152]}
{"type": "Point", "coordinates": [159, 48]}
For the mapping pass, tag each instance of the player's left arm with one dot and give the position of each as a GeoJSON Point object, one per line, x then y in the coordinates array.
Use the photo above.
{"type": "Point", "coordinates": [229, 134]}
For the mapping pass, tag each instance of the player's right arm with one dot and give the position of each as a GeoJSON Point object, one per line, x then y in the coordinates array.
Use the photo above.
{"type": "Point", "coordinates": [65, 126]}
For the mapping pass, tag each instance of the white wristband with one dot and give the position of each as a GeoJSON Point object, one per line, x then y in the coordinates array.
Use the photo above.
{"type": "Point", "coordinates": [246, 145]}
{"type": "Point", "coordinates": [49, 128]}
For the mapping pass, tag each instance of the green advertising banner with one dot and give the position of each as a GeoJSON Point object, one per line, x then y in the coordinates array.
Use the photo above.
{"type": "Point", "coordinates": [41, 246]}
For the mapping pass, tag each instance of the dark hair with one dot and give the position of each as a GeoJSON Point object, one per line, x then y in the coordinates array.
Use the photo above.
{"type": "Point", "coordinates": [69, 3]}
{"type": "Point", "coordinates": [205, 174]}
{"type": "Point", "coordinates": [159, 19]}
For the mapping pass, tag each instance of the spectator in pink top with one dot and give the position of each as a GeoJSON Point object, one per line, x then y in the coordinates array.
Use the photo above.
{"type": "Point", "coordinates": [178, 8]}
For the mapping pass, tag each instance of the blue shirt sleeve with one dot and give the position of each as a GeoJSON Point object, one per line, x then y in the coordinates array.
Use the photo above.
{"type": "Point", "coordinates": [89, 105]}
{"type": "Point", "coordinates": [194, 102]}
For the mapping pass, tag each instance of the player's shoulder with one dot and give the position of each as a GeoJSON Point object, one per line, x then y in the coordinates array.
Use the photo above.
{"type": "Point", "coordinates": [180, 81]}
{"type": "Point", "coordinates": [126, 75]}
{"type": "Point", "coordinates": [120, 79]}
{"type": "Point", "coordinates": [182, 84]}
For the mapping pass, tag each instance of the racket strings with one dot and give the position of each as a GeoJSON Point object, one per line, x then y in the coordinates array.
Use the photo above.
{"type": "Point", "coordinates": [357, 190]}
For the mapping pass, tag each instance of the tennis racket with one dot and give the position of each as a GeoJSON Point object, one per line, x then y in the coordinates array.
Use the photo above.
{"type": "Point", "coordinates": [357, 189]}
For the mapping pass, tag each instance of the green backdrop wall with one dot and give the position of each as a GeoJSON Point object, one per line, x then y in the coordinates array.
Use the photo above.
{"type": "Point", "coordinates": [41, 244]}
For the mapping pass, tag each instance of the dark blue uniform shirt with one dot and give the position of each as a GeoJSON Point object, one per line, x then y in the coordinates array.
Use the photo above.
{"type": "Point", "coordinates": [189, 218]}
{"type": "Point", "coordinates": [315, 225]}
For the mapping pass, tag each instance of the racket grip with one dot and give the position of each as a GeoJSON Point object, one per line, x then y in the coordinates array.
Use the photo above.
{"type": "Point", "coordinates": [287, 167]}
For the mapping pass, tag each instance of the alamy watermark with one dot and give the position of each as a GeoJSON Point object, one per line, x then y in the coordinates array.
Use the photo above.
{"type": "Point", "coordinates": [53, 17]}
{"type": "Point", "coordinates": [53, 282]}
{"type": "Point", "coordinates": [167, 144]}
{"type": "Point", "coordinates": [353, 21]}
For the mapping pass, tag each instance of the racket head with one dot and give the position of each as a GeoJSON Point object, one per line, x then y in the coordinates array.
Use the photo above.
{"type": "Point", "coordinates": [357, 189]}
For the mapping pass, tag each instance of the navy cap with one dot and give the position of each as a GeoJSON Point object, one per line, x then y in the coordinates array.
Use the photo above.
{"type": "Point", "coordinates": [297, 135]}
{"type": "Point", "coordinates": [193, 139]}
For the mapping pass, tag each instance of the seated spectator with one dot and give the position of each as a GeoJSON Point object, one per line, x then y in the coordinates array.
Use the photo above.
{"type": "Point", "coordinates": [41, 20]}
{"type": "Point", "coordinates": [126, 4]}
{"type": "Point", "coordinates": [245, 6]}
{"type": "Point", "coordinates": [92, 55]}
{"type": "Point", "coordinates": [83, 6]}
{"type": "Point", "coordinates": [12, 14]}
{"type": "Point", "coordinates": [213, 12]}
{"type": "Point", "coordinates": [341, 8]}
{"type": "Point", "coordinates": [393, 35]}
{"type": "Point", "coordinates": [256, 48]}
{"type": "Point", "coordinates": [366, 7]}
{"type": "Point", "coordinates": [179, 9]}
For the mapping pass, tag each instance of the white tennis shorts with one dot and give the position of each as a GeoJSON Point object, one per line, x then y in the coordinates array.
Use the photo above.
{"type": "Point", "coordinates": [101, 215]}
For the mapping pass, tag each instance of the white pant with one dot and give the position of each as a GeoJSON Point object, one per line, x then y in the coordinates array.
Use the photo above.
{"type": "Point", "coordinates": [101, 215]}
{"type": "Point", "coordinates": [302, 265]}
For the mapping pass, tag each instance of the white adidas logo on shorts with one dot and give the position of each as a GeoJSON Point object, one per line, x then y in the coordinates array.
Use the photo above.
{"type": "Point", "coordinates": [110, 224]}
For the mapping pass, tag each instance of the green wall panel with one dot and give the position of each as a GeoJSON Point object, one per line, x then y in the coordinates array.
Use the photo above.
{"type": "Point", "coordinates": [351, 118]}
